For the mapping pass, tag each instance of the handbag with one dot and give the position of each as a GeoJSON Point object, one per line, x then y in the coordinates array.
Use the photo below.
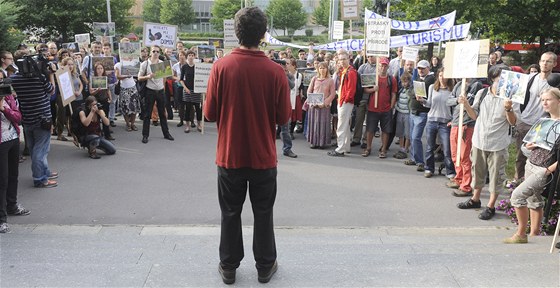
{"type": "Point", "coordinates": [118, 88]}
{"type": "Point", "coordinates": [141, 85]}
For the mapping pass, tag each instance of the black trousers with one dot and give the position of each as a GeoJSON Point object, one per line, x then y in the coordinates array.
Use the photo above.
{"type": "Point", "coordinates": [9, 171]}
{"type": "Point", "coordinates": [157, 97]}
{"type": "Point", "coordinates": [232, 190]}
{"type": "Point", "coordinates": [189, 110]}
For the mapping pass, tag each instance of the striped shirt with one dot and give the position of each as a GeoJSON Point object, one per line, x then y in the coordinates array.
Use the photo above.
{"type": "Point", "coordinates": [33, 97]}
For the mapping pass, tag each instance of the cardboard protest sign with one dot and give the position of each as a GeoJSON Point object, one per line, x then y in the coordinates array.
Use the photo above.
{"type": "Point", "coordinates": [466, 59]}
{"type": "Point", "coordinates": [368, 80]}
{"type": "Point", "coordinates": [161, 69]}
{"type": "Point", "coordinates": [420, 89]}
{"type": "Point", "coordinates": [103, 29]}
{"type": "Point", "coordinates": [544, 133]}
{"type": "Point", "coordinates": [160, 34]}
{"type": "Point", "coordinates": [108, 62]}
{"type": "Point", "coordinates": [82, 39]}
{"type": "Point", "coordinates": [378, 35]}
{"type": "Point", "coordinates": [99, 82]}
{"type": "Point", "coordinates": [129, 54]}
{"type": "Point", "coordinates": [65, 85]}
{"type": "Point", "coordinates": [410, 53]}
{"type": "Point", "coordinates": [350, 10]}
{"type": "Point", "coordinates": [72, 47]}
{"type": "Point", "coordinates": [230, 39]}
{"type": "Point", "coordinates": [315, 98]}
{"type": "Point", "coordinates": [201, 75]}
{"type": "Point", "coordinates": [338, 30]}
{"type": "Point", "coordinates": [513, 85]}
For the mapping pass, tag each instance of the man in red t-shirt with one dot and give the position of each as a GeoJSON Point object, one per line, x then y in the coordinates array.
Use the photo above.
{"type": "Point", "coordinates": [383, 112]}
{"type": "Point", "coordinates": [247, 96]}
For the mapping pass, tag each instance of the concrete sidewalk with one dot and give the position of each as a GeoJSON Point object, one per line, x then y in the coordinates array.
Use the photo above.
{"type": "Point", "coordinates": [187, 256]}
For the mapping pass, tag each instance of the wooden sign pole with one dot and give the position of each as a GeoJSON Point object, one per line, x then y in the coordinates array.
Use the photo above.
{"type": "Point", "coordinates": [376, 80]}
{"type": "Point", "coordinates": [460, 126]}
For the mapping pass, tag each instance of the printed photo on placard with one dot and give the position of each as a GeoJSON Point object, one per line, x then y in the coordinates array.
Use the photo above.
{"type": "Point", "coordinates": [162, 69]}
{"type": "Point", "coordinates": [307, 76]}
{"type": "Point", "coordinates": [544, 133]}
{"type": "Point", "coordinates": [216, 42]}
{"type": "Point", "coordinates": [315, 98]}
{"type": "Point", "coordinates": [368, 80]}
{"type": "Point", "coordinates": [160, 34]}
{"type": "Point", "coordinates": [420, 89]}
{"type": "Point", "coordinates": [103, 29]}
{"type": "Point", "coordinates": [129, 54]}
{"type": "Point", "coordinates": [205, 51]}
{"type": "Point", "coordinates": [73, 47]}
{"type": "Point", "coordinates": [513, 85]}
{"type": "Point", "coordinates": [107, 61]}
{"type": "Point", "coordinates": [82, 38]}
{"type": "Point", "coordinates": [301, 64]}
{"type": "Point", "coordinates": [99, 82]}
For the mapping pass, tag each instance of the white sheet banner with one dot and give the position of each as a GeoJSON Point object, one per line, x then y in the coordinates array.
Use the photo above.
{"type": "Point", "coordinates": [445, 21]}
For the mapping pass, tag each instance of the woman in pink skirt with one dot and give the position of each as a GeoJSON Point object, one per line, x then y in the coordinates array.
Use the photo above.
{"type": "Point", "coordinates": [319, 115]}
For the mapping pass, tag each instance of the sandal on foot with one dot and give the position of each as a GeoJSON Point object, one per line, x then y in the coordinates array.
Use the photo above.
{"type": "Point", "coordinates": [409, 162]}
{"type": "Point", "coordinates": [366, 152]}
{"type": "Point", "coordinates": [469, 204]}
{"type": "Point", "coordinates": [515, 239]}
{"type": "Point", "coordinates": [382, 155]}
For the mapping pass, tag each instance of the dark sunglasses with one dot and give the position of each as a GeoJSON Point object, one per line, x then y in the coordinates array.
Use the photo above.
{"type": "Point", "coordinates": [155, 51]}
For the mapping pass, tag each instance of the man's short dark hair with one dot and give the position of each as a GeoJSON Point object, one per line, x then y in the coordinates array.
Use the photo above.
{"type": "Point", "coordinates": [190, 52]}
{"type": "Point", "coordinates": [250, 26]}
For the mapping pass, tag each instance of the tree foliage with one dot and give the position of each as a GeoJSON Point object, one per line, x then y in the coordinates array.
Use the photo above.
{"type": "Point", "coordinates": [11, 37]}
{"type": "Point", "coordinates": [54, 19]}
{"type": "Point", "coordinates": [286, 14]}
{"type": "Point", "coordinates": [321, 14]}
{"type": "Point", "coordinates": [177, 12]}
{"type": "Point", "coordinates": [152, 11]}
{"type": "Point", "coordinates": [223, 9]}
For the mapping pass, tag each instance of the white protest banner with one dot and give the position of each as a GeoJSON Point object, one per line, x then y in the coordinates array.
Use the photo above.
{"type": "Point", "coordinates": [82, 39]}
{"type": "Point", "coordinates": [349, 10]}
{"type": "Point", "coordinates": [160, 34]}
{"type": "Point", "coordinates": [409, 53]}
{"type": "Point", "coordinates": [338, 29]}
{"type": "Point", "coordinates": [454, 33]}
{"type": "Point", "coordinates": [445, 21]}
{"type": "Point", "coordinates": [378, 35]}
{"type": "Point", "coordinates": [65, 85]}
{"type": "Point", "coordinates": [103, 29]}
{"type": "Point", "coordinates": [201, 75]}
{"type": "Point", "coordinates": [230, 39]}
{"type": "Point", "coordinates": [466, 59]}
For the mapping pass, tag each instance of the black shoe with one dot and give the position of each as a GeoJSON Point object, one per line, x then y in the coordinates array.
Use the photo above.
{"type": "Point", "coordinates": [290, 154]}
{"type": "Point", "coordinates": [169, 137]}
{"type": "Point", "coordinates": [228, 276]}
{"type": "Point", "coordinates": [155, 123]}
{"type": "Point", "coordinates": [18, 210]}
{"type": "Point", "coordinates": [469, 204]}
{"type": "Point", "coordinates": [363, 146]}
{"type": "Point", "coordinates": [353, 144]}
{"type": "Point", "coordinates": [487, 213]}
{"type": "Point", "coordinates": [110, 138]}
{"type": "Point", "coordinates": [180, 124]}
{"type": "Point", "coordinates": [266, 275]}
{"type": "Point", "coordinates": [192, 124]}
{"type": "Point", "coordinates": [557, 245]}
{"type": "Point", "coordinates": [145, 139]}
{"type": "Point", "coordinates": [113, 124]}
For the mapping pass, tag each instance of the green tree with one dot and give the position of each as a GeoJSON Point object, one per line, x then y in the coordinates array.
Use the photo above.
{"type": "Point", "coordinates": [11, 37]}
{"type": "Point", "coordinates": [321, 14]}
{"type": "Point", "coordinates": [223, 9]}
{"type": "Point", "coordinates": [286, 14]}
{"type": "Point", "coordinates": [177, 12]}
{"type": "Point", "coordinates": [62, 19]}
{"type": "Point", "coordinates": [152, 10]}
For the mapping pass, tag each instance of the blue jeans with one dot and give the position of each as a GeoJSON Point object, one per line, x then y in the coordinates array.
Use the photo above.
{"type": "Point", "coordinates": [286, 139]}
{"type": "Point", "coordinates": [113, 105]}
{"type": "Point", "coordinates": [434, 128]}
{"type": "Point", "coordinates": [96, 141]}
{"type": "Point", "coordinates": [417, 124]}
{"type": "Point", "coordinates": [39, 143]}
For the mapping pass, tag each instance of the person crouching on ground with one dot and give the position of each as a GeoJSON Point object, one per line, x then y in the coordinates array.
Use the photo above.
{"type": "Point", "coordinates": [91, 120]}
{"type": "Point", "coordinates": [526, 198]}
{"type": "Point", "coordinates": [490, 141]}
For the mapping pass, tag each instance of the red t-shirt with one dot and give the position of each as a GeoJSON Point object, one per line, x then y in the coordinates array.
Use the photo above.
{"type": "Point", "coordinates": [247, 96]}
{"type": "Point", "coordinates": [384, 95]}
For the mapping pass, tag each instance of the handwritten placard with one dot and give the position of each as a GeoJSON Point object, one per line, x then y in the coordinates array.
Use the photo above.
{"type": "Point", "coordinates": [160, 34]}
{"type": "Point", "coordinates": [230, 39]}
{"type": "Point", "coordinates": [65, 85]}
{"type": "Point", "coordinates": [201, 75]}
{"type": "Point", "coordinates": [410, 53]}
{"type": "Point", "coordinates": [466, 59]}
{"type": "Point", "coordinates": [378, 37]}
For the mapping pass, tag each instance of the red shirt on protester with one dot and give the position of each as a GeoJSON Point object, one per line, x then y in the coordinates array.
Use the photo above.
{"type": "Point", "coordinates": [348, 86]}
{"type": "Point", "coordinates": [384, 95]}
{"type": "Point", "coordinates": [247, 104]}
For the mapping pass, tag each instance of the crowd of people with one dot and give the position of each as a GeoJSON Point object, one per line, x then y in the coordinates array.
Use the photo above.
{"type": "Point", "coordinates": [346, 115]}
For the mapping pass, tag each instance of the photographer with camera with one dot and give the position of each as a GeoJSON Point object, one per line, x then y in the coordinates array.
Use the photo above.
{"type": "Point", "coordinates": [34, 90]}
{"type": "Point", "coordinates": [92, 118]}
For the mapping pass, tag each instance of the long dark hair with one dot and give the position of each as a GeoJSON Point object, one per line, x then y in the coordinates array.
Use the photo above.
{"type": "Point", "coordinates": [449, 82]}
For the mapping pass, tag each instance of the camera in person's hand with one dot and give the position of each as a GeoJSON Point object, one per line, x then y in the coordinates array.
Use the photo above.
{"type": "Point", "coordinates": [99, 106]}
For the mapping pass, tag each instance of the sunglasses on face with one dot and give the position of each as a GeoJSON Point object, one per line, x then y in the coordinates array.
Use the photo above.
{"type": "Point", "coordinates": [155, 51]}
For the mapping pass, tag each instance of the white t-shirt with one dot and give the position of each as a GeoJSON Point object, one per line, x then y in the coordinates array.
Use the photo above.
{"type": "Point", "coordinates": [153, 84]}
{"type": "Point", "coordinates": [127, 82]}
{"type": "Point", "coordinates": [177, 68]}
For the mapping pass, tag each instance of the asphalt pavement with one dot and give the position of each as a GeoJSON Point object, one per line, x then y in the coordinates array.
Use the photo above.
{"type": "Point", "coordinates": [148, 216]}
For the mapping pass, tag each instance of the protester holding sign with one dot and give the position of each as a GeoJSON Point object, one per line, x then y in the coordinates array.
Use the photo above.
{"type": "Point", "coordinates": [153, 93]}
{"type": "Point", "coordinates": [490, 142]}
{"type": "Point", "coordinates": [129, 101]}
{"type": "Point", "coordinates": [191, 99]}
{"type": "Point", "coordinates": [319, 116]}
{"type": "Point", "coordinates": [103, 96]}
{"type": "Point", "coordinates": [359, 136]}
